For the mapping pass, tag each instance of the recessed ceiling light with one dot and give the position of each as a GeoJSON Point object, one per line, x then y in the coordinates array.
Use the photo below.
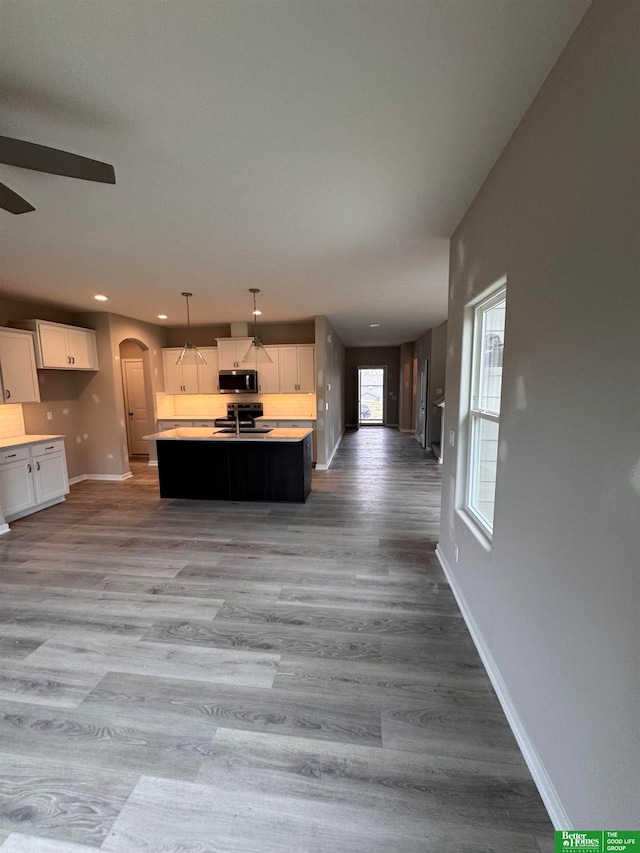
{"type": "Point", "coordinates": [375, 325]}
{"type": "Point", "coordinates": [100, 297]}
{"type": "Point", "coordinates": [162, 316]}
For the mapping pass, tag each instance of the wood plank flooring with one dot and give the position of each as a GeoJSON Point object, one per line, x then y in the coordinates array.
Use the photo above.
{"type": "Point", "coordinates": [193, 677]}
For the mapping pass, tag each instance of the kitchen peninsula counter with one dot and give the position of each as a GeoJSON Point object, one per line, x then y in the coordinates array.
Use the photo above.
{"type": "Point", "coordinates": [217, 434]}
{"type": "Point", "coordinates": [200, 463]}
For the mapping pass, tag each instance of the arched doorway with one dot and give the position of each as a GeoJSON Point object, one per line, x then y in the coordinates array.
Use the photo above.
{"type": "Point", "coordinates": [134, 391]}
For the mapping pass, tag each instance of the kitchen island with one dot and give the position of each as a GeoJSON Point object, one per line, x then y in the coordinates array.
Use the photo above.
{"type": "Point", "coordinates": [200, 463]}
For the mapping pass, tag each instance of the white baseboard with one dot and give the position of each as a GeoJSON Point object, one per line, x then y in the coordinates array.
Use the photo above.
{"type": "Point", "coordinates": [4, 528]}
{"type": "Point", "coordinates": [550, 798]}
{"type": "Point", "coordinates": [80, 479]}
{"type": "Point", "coordinates": [330, 459]}
{"type": "Point", "coordinates": [405, 430]}
{"type": "Point", "coordinates": [153, 463]}
{"type": "Point", "coordinates": [112, 478]}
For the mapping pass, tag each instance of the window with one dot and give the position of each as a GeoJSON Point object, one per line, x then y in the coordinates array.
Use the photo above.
{"type": "Point", "coordinates": [484, 405]}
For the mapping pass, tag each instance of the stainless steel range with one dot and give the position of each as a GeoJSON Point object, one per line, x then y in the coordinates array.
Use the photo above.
{"type": "Point", "coordinates": [241, 415]}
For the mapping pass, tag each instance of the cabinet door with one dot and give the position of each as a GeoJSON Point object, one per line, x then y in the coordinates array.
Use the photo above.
{"type": "Point", "coordinates": [306, 370]}
{"type": "Point", "coordinates": [81, 346]}
{"type": "Point", "coordinates": [208, 373]}
{"type": "Point", "coordinates": [50, 477]}
{"type": "Point", "coordinates": [288, 361]}
{"type": "Point", "coordinates": [18, 365]}
{"type": "Point", "coordinates": [269, 374]}
{"type": "Point", "coordinates": [178, 378]}
{"type": "Point", "coordinates": [17, 492]}
{"type": "Point", "coordinates": [227, 354]}
{"type": "Point", "coordinates": [53, 346]}
{"type": "Point", "coordinates": [231, 351]}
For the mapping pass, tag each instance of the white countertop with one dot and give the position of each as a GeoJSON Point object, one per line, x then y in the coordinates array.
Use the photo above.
{"type": "Point", "coordinates": [213, 417]}
{"type": "Point", "coordinates": [21, 440]}
{"type": "Point", "coordinates": [216, 434]}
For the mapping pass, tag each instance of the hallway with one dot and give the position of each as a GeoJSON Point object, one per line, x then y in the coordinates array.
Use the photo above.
{"type": "Point", "coordinates": [185, 676]}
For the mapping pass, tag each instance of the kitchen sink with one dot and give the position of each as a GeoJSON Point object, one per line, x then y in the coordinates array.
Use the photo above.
{"type": "Point", "coordinates": [245, 431]}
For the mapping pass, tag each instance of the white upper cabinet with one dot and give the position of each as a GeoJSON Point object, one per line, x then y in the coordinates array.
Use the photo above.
{"type": "Point", "coordinates": [190, 378]}
{"type": "Point", "coordinates": [231, 351]}
{"type": "Point", "coordinates": [269, 374]}
{"type": "Point", "coordinates": [208, 373]}
{"type": "Point", "coordinates": [61, 347]}
{"type": "Point", "coordinates": [297, 369]}
{"type": "Point", "coordinates": [18, 367]}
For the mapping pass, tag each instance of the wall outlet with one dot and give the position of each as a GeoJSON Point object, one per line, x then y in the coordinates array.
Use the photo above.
{"type": "Point", "coordinates": [326, 406]}
{"type": "Point", "coordinates": [49, 416]}
{"type": "Point", "coordinates": [438, 390]}
{"type": "Point", "coordinates": [452, 438]}
{"type": "Point", "coordinates": [455, 552]}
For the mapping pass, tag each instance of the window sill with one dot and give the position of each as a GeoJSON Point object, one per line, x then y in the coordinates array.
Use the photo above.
{"type": "Point", "coordinates": [480, 534]}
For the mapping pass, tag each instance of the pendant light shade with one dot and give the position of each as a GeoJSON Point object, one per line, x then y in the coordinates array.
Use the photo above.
{"type": "Point", "coordinates": [190, 353]}
{"type": "Point", "coordinates": [256, 354]}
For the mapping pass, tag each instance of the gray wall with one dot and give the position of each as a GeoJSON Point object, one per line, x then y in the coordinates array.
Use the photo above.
{"type": "Point", "coordinates": [406, 390]}
{"type": "Point", "coordinates": [388, 357]}
{"type": "Point", "coordinates": [269, 333]}
{"type": "Point", "coordinates": [330, 359]}
{"type": "Point", "coordinates": [556, 598]}
{"type": "Point", "coordinates": [437, 379]}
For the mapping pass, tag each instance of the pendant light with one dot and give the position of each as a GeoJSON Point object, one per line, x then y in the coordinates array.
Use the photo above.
{"type": "Point", "coordinates": [190, 353]}
{"type": "Point", "coordinates": [256, 353]}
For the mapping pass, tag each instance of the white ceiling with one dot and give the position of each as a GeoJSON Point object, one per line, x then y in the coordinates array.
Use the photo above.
{"type": "Point", "coordinates": [321, 150]}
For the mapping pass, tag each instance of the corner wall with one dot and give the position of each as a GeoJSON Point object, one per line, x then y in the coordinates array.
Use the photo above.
{"type": "Point", "coordinates": [330, 366]}
{"type": "Point", "coordinates": [555, 601]}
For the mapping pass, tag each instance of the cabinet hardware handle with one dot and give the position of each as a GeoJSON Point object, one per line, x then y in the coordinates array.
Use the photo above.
{"type": "Point", "coordinates": [38, 465]}
{"type": "Point", "coordinates": [7, 393]}
{"type": "Point", "coordinates": [68, 359]}
{"type": "Point", "coordinates": [10, 455]}
{"type": "Point", "coordinates": [28, 469]}
{"type": "Point", "coordinates": [49, 448]}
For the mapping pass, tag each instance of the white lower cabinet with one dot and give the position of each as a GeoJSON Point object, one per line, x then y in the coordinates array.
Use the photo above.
{"type": "Point", "coordinates": [32, 477]}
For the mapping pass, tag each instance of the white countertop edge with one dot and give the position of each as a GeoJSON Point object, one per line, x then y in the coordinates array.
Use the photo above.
{"type": "Point", "coordinates": [286, 418]}
{"type": "Point", "coordinates": [261, 418]}
{"type": "Point", "coordinates": [215, 434]}
{"type": "Point", "coordinates": [21, 440]}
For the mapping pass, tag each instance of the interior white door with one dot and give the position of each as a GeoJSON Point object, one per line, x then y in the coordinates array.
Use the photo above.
{"type": "Point", "coordinates": [135, 406]}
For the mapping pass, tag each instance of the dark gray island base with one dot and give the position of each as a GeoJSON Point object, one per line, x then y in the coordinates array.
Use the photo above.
{"type": "Point", "coordinates": [235, 469]}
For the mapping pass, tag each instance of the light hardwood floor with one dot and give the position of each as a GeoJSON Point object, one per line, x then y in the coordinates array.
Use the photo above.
{"type": "Point", "coordinates": [192, 677]}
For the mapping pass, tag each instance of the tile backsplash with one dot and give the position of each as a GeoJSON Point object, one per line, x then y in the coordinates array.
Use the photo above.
{"type": "Point", "coordinates": [215, 405]}
{"type": "Point", "coordinates": [11, 420]}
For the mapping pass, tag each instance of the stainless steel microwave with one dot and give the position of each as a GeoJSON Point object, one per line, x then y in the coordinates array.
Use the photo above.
{"type": "Point", "coordinates": [238, 381]}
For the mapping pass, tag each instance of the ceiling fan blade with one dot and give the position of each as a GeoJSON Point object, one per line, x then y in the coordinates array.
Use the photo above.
{"type": "Point", "coordinates": [28, 155]}
{"type": "Point", "coordinates": [13, 202]}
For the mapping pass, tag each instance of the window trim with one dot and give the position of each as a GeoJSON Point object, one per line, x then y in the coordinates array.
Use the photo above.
{"type": "Point", "coordinates": [475, 413]}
